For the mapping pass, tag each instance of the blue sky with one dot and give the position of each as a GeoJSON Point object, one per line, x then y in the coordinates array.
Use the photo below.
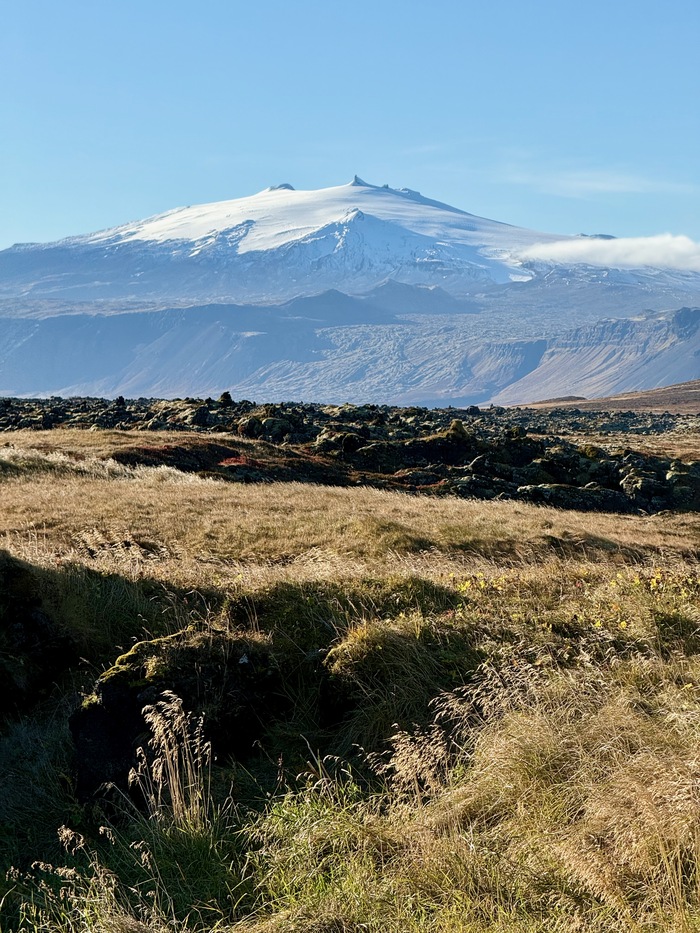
{"type": "Point", "coordinates": [558, 115]}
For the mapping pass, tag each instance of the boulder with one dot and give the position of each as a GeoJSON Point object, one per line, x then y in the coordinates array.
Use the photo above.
{"type": "Point", "coordinates": [584, 499]}
{"type": "Point", "coordinates": [480, 486]}
{"type": "Point", "coordinates": [536, 473]}
{"type": "Point", "coordinates": [350, 442]}
{"type": "Point", "coordinates": [645, 489]}
{"type": "Point", "coordinates": [683, 485]}
{"type": "Point", "coordinates": [199, 417]}
{"type": "Point", "coordinates": [276, 429]}
{"type": "Point", "coordinates": [416, 478]}
{"type": "Point", "coordinates": [249, 427]}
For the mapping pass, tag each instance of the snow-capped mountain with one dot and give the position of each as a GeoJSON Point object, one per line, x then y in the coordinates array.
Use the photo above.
{"type": "Point", "coordinates": [355, 292]}
{"type": "Point", "coordinates": [275, 246]}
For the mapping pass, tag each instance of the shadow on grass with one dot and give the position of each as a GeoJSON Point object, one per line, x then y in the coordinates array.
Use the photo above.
{"type": "Point", "coordinates": [55, 614]}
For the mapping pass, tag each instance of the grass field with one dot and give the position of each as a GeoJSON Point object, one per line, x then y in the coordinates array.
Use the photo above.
{"type": "Point", "coordinates": [517, 696]}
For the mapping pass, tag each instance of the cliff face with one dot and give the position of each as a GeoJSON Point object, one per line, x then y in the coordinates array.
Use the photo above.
{"type": "Point", "coordinates": [614, 356]}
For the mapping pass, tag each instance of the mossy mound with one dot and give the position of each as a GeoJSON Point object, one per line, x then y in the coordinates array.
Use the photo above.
{"type": "Point", "coordinates": [231, 679]}
{"type": "Point", "coordinates": [334, 666]}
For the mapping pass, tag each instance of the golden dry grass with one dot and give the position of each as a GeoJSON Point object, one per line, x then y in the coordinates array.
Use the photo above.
{"type": "Point", "coordinates": [277, 521]}
{"type": "Point", "coordinates": [558, 793]}
{"type": "Point", "coordinates": [80, 443]}
{"type": "Point", "coordinates": [121, 550]}
{"type": "Point", "coordinates": [198, 533]}
{"type": "Point", "coordinates": [99, 443]}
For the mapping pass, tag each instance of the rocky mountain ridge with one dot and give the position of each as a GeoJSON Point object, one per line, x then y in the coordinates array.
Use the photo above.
{"type": "Point", "coordinates": [336, 349]}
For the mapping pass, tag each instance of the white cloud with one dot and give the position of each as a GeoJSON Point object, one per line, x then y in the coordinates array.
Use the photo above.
{"type": "Point", "coordinates": [664, 250]}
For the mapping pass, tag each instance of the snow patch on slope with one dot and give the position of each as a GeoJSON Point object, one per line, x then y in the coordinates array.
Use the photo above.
{"type": "Point", "coordinates": [284, 243]}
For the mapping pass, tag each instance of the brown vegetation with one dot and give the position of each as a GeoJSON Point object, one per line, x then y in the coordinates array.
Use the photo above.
{"type": "Point", "coordinates": [682, 397]}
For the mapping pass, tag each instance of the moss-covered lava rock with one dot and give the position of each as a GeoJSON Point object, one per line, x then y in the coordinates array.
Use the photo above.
{"type": "Point", "coordinates": [230, 679]}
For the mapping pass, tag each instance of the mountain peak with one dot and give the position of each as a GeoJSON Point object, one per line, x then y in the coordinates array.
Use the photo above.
{"type": "Point", "coordinates": [357, 182]}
